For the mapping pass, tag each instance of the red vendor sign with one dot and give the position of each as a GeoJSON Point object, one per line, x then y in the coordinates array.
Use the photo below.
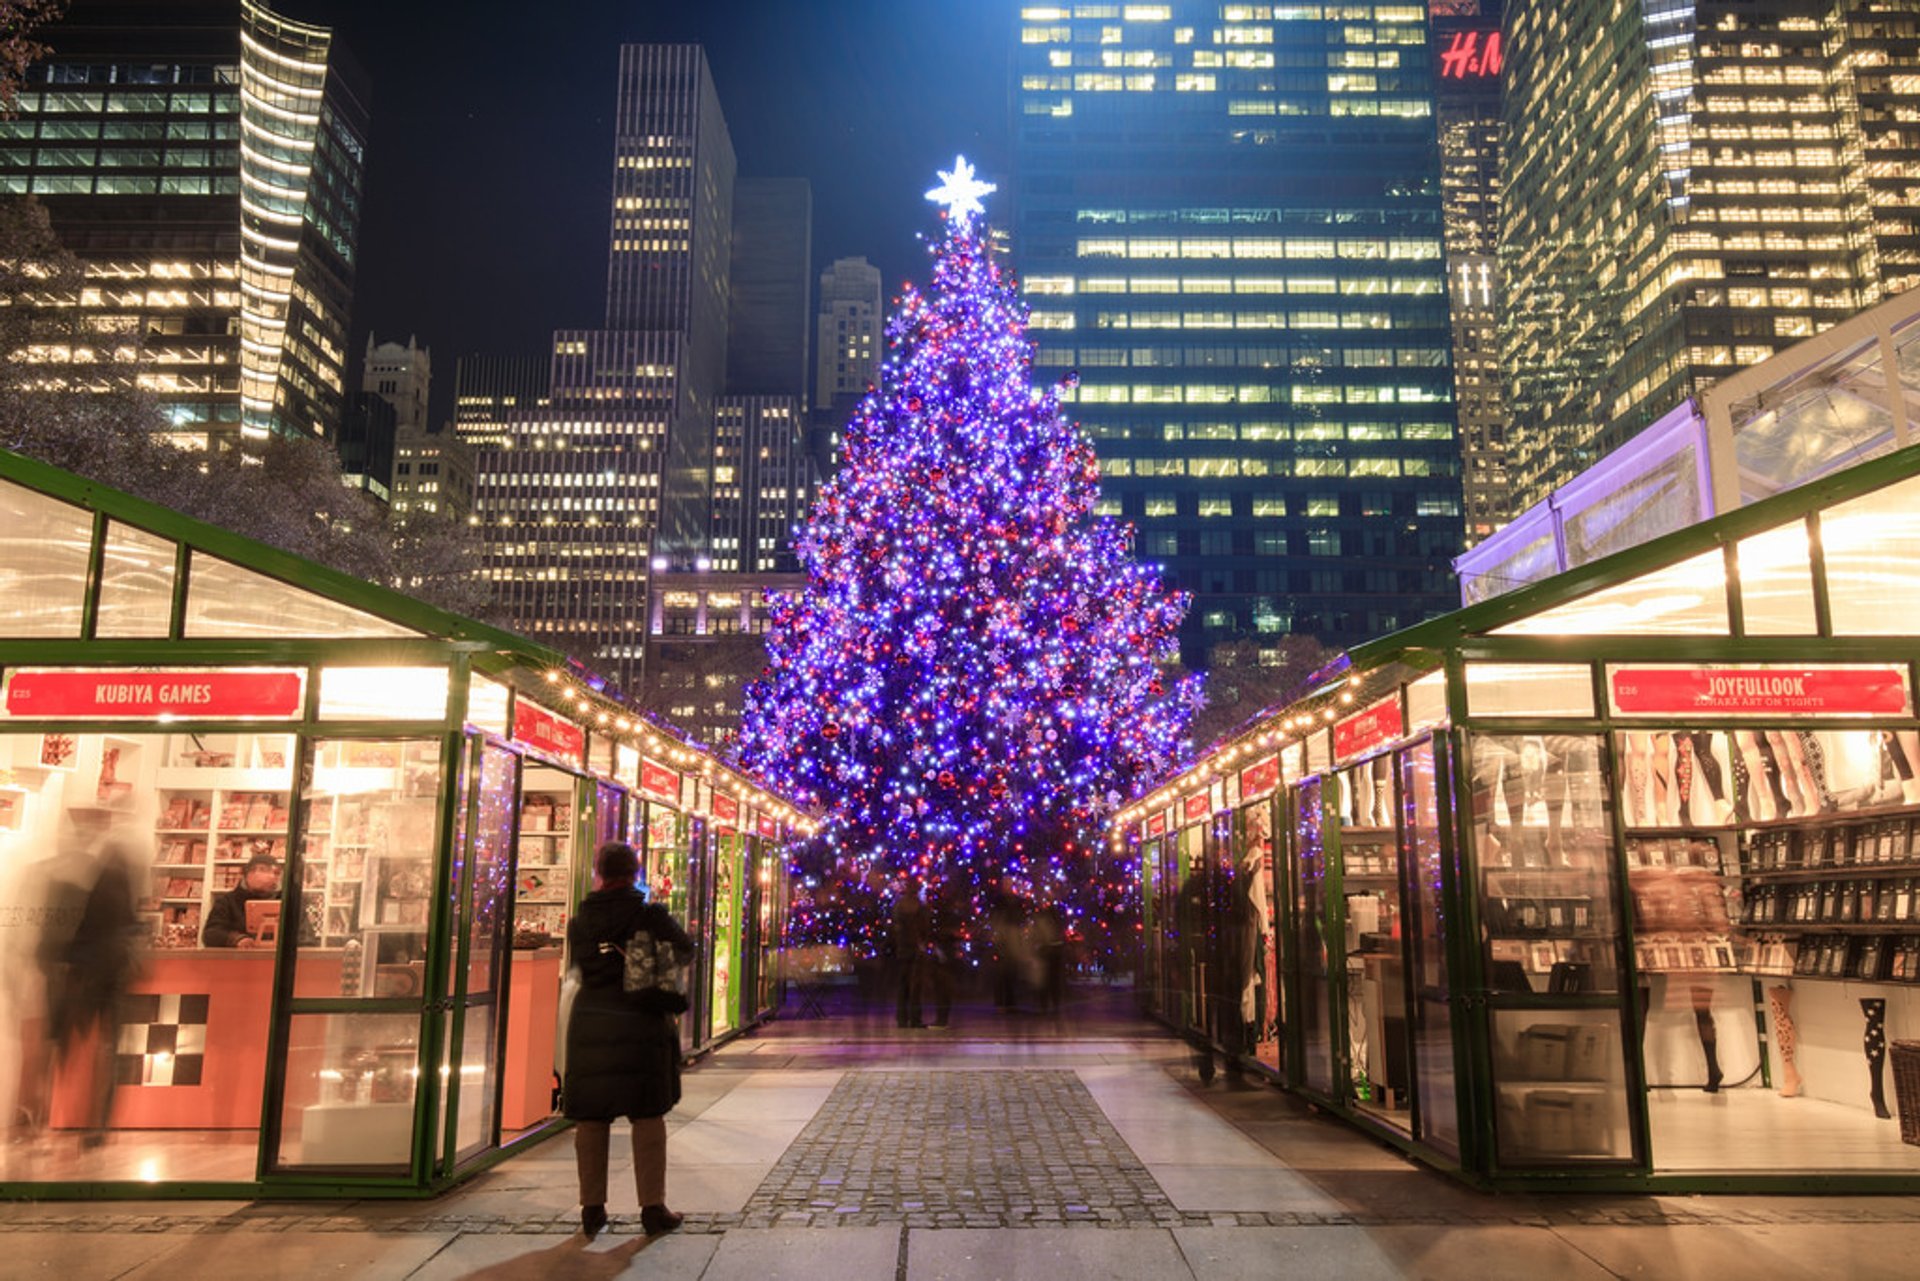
{"type": "Point", "coordinates": [725, 809]}
{"type": "Point", "coordinates": [1374, 727]}
{"type": "Point", "coordinates": [1759, 691]}
{"type": "Point", "coordinates": [1195, 807]}
{"type": "Point", "coordinates": [1157, 824]}
{"type": "Point", "coordinates": [1258, 779]}
{"type": "Point", "coordinates": [121, 694]}
{"type": "Point", "coordinates": [546, 733]}
{"type": "Point", "coordinates": [767, 826]}
{"type": "Point", "coordinates": [658, 780]}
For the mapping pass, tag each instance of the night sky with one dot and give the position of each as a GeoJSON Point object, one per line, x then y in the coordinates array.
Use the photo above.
{"type": "Point", "coordinates": [490, 156]}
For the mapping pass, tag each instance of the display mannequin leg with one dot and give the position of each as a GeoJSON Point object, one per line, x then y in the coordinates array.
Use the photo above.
{"type": "Point", "coordinates": [1661, 770]}
{"type": "Point", "coordinates": [1637, 752]}
{"type": "Point", "coordinates": [1875, 1045]}
{"type": "Point", "coordinates": [1788, 750]}
{"type": "Point", "coordinates": [1709, 1035]}
{"type": "Point", "coordinates": [1780, 1000]}
{"type": "Point", "coordinates": [1906, 745]}
{"type": "Point", "coordinates": [1752, 796]}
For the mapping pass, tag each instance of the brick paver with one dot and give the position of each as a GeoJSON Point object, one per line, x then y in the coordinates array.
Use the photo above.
{"type": "Point", "coordinates": [962, 1148]}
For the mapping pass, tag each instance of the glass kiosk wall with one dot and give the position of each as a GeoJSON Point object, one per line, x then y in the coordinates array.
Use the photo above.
{"type": "Point", "coordinates": [345, 832]}
{"type": "Point", "coordinates": [1615, 881]}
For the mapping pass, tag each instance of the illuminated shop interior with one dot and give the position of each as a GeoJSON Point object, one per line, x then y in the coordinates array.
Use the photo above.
{"type": "Point", "coordinates": [1612, 881]}
{"type": "Point", "coordinates": [409, 802]}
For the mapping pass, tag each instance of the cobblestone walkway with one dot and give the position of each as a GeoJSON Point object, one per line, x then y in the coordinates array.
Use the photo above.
{"type": "Point", "coordinates": [933, 1148]}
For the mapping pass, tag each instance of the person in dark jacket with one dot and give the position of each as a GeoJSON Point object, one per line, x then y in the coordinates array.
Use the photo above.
{"type": "Point", "coordinates": [90, 956]}
{"type": "Point", "coordinates": [227, 920]}
{"type": "Point", "coordinates": [623, 1048]}
{"type": "Point", "coordinates": [911, 928]}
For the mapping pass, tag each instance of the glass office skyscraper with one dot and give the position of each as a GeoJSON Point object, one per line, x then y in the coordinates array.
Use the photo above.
{"type": "Point", "coordinates": [203, 160]}
{"type": "Point", "coordinates": [1691, 187]}
{"type": "Point", "coordinates": [1228, 223]}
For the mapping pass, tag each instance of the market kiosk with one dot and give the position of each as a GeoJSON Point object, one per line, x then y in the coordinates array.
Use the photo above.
{"type": "Point", "coordinates": [1610, 882]}
{"type": "Point", "coordinates": [352, 829]}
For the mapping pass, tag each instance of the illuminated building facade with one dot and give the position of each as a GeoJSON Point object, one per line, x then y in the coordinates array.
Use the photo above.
{"type": "Point", "coordinates": [849, 333]}
{"type": "Point", "coordinates": [432, 470]}
{"type": "Point", "coordinates": [626, 453]}
{"type": "Point", "coordinates": [203, 161]}
{"type": "Point", "coordinates": [1467, 49]}
{"type": "Point", "coordinates": [1228, 223]}
{"type": "Point", "coordinates": [1691, 186]}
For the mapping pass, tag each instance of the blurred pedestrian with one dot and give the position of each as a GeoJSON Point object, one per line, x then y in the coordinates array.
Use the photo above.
{"type": "Point", "coordinates": [1007, 922]}
{"type": "Point", "coordinates": [943, 960]}
{"type": "Point", "coordinates": [1051, 944]}
{"type": "Point", "coordinates": [623, 1047]}
{"type": "Point", "coordinates": [90, 956]}
{"type": "Point", "coordinates": [911, 931]}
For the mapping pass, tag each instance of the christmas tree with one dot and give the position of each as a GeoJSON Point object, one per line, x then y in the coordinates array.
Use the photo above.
{"type": "Point", "coordinates": [971, 679]}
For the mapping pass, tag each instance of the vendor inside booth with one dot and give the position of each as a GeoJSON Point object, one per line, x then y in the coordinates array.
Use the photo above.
{"type": "Point", "coordinates": [286, 862]}
{"type": "Point", "coordinates": [1614, 881]}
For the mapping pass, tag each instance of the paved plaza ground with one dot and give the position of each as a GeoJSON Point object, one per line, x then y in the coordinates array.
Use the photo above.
{"type": "Point", "coordinates": [1011, 1146]}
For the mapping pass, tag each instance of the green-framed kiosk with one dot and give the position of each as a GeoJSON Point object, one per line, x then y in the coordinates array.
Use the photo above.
{"type": "Point", "coordinates": [176, 703]}
{"type": "Point", "coordinates": [1612, 882]}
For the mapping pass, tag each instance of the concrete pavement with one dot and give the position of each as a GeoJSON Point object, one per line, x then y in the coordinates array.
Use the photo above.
{"type": "Point", "coordinates": [1010, 1147]}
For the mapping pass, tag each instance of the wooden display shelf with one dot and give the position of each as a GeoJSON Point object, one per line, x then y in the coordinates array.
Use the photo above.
{"type": "Point", "coordinates": [1831, 872]}
{"type": "Point", "coordinates": [1833, 927]}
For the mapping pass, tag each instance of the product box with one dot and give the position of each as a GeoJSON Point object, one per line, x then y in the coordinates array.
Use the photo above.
{"type": "Point", "coordinates": [1591, 1133]}
{"type": "Point", "coordinates": [1589, 1052]}
{"type": "Point", "coordinates": [1543, 1051]}
{"type": "Point", "coordinates": [1549, 1120]}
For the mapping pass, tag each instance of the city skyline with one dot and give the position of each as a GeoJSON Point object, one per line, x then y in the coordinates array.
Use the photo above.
{"type": "Point", "coordinates": [519, 257]}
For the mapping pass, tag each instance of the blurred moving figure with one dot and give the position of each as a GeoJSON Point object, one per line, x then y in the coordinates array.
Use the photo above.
{"type": "Point", "coordinates": [89, 956]}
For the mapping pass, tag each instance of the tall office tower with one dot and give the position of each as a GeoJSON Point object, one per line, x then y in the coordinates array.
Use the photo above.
{"type": "Point", "coordinates": [849, 334]}
{"type": "Point", "coordinates": [762, 481]}
{"type": "Point", "coordinates": [1466, 50]}
{"type": "Point", "coordinates": [769, 279]}
{"type": "Point", "coordinates": [849, 341]}
{"type": "Point", "coordinates": [202, 159]}
{"type": "Point", "coordinates": [1228, 222]}
{"type": "Point", "coordinates": [1691, 186]}
{"type": "Point", "coordinates": [630, 456]}
{"type": "Point", "coordinates": [1883, 51]}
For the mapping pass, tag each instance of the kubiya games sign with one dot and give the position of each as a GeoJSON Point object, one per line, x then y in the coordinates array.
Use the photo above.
{"type": "Point", "coordinates": [175, 694]}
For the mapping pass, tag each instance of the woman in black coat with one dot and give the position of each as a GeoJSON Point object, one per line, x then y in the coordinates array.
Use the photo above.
{"type": "Point", "coordinates": [623, 1049]}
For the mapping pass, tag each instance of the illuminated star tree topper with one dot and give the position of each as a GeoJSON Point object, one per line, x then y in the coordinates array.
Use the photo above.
{"type": "Point", "coordinates": [960, 192]}
{"type": "Point", "coordinates": [973, 676]}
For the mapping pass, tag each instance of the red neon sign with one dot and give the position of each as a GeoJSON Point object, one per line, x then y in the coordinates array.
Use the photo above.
{"type": "Point", "coordinates": [1258, 779]}
{"type": "Point", "coordinates": [1760, 691]}
{"type": "Point", "coordinates": [122, 695]}
{"type": "Point", "coordinates": [658, 780]}
{"type": "Point", "coordinates": [1472, 55]}
{"type": "Point", "coordinates": [544, 732]}
{"type": "Point", "coordinates": [1368, 729]}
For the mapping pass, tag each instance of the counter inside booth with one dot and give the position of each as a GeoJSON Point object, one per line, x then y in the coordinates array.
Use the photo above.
{"type": "Point", "coordinates": [193, 1040]}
